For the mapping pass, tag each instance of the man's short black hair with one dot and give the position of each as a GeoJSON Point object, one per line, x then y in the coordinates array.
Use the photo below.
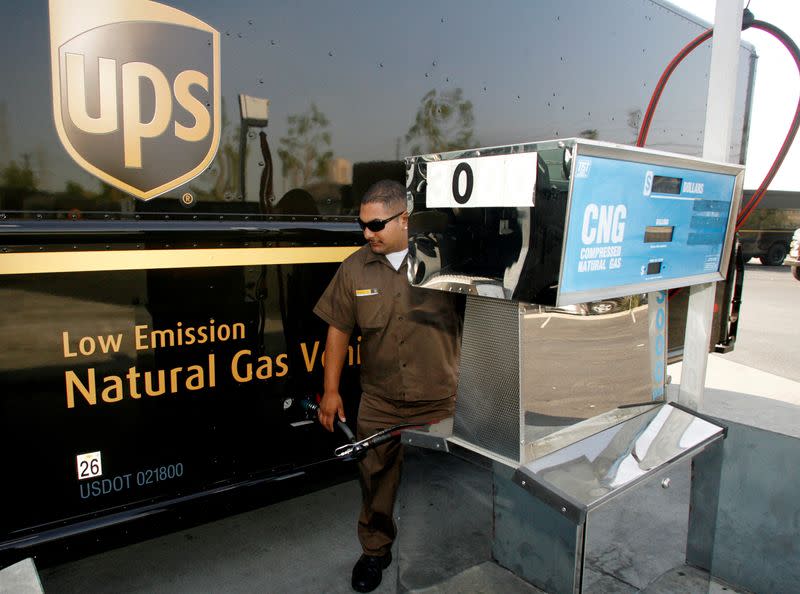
{"type": "Point", "coordinates": [388, 192]}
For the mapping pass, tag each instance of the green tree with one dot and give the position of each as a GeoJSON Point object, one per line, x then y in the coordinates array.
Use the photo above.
{"type": "Point", "coordinates": [444, 122]}
{"type": "Point", "coordinates": [634, 121]}
{"type": "Point", "coordinates": [73, 188]}
{"type": "Point", "coordinates": [19, 177]}
{"type": "Point", "coordinates": [305, 151]}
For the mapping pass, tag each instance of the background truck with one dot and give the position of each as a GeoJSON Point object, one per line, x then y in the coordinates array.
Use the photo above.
{"type": "Point", "coordinates": [768, 231]}
{"type": "Point", "coordinates": [793, 259]}
{"type": "Point", "coordinates": [178, 183]}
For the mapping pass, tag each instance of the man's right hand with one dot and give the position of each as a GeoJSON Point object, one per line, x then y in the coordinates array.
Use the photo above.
{"type": "Point", "coordinates": [330, 407]}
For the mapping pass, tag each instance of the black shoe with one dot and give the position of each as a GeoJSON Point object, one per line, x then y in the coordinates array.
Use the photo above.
{"type": "Point", "coordinates": [368, 571]}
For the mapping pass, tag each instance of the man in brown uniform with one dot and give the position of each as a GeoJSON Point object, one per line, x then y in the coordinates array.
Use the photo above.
{"type": "Point", "coordinates": [409, 360]}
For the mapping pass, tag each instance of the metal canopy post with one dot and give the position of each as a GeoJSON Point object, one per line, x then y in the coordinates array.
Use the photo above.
{"type": "Point", "coordinates": [719, 121]}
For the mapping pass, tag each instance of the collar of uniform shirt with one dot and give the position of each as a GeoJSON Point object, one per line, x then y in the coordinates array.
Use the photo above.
{"type": "Point", "coordinates": [396, 258]}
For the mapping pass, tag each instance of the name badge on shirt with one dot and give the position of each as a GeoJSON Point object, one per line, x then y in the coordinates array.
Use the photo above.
{"type": "Point", "coordinates": [366, 292]}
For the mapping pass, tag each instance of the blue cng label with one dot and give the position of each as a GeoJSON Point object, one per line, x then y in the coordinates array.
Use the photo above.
{"type": "Point", "coordinates": [642, 225]}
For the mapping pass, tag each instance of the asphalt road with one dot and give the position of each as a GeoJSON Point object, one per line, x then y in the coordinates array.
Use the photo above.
{"type": "Point", "coordinates": [769, 326]}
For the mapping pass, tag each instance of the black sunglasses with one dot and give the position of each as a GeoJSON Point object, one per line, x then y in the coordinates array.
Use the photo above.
{"type": "Point", "coordinates": [377, 224]}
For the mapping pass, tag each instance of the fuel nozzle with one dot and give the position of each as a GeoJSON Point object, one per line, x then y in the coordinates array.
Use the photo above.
{"type": "Point", "coordinates": [312, 409]}
{"type": "Point", "coordinates": [355, 450]}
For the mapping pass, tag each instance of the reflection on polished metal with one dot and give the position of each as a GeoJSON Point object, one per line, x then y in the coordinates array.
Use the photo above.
{"type": "Point", "coordinates": [580, 364]}
{"type": "Point", "coordinates": [507, 253]}
{"type": "Point", "coordinates": [536, 378]}
{"type": "Point", "coordinates": [254, 111]}
{"type": "Point", "coordinates": [589, 472]}
{"type": "Point", "coordinates": [510, 96]}
{"type": "Point", "coordinates": [549, 516]}
{"type": "Point", "coordinates": [578, 221]}
{"type": "Point", "coordinates": [573, 433]}
{"type": "Point", "coordinates": [47, 262]}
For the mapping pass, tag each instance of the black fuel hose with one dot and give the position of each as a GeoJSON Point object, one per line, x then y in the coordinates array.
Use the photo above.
{"type": "Point", "coordinates": [357, 449]}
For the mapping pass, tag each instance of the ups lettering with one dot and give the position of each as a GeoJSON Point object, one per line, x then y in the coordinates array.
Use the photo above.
{"type": "Point", "coordinates": [136, 78]}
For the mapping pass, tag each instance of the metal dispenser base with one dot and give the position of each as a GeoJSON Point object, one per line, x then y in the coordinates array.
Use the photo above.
{"type": "Point", "coordinates": [542, 520]}
{"type": "Point", "coordinates": [540, 477]}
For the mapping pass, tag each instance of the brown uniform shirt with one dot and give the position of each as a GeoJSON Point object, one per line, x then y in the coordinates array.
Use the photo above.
{"type": "Point", "coordinates": [411, 337]}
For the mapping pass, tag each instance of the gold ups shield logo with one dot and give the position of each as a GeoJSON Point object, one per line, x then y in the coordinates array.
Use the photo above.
{"type": "Point", "coordinates": [136, 91]}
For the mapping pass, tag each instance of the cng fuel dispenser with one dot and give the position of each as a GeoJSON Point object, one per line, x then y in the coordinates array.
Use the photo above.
{"type": "Point", "coordinates": [565, 250]}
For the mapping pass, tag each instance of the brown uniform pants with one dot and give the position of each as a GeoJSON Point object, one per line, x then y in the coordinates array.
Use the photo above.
{"type": "Point", "coordinates": [380, 469]}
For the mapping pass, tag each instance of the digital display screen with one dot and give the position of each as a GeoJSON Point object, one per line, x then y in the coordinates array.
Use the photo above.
{"type": "Point", "coordinates": [618, 243]}
{"type": "Point", "coordinates": [666, 185]}
{"type": "Point", "coordinates": [653, 267]}
{"type": "Point", "coordinates": [661, 234]}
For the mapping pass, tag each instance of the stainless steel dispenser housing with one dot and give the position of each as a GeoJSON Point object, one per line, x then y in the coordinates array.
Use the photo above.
{"type": "Point", "coordinates": [568, 221]}
{"type": "Point", "coordinates": [565, 249]}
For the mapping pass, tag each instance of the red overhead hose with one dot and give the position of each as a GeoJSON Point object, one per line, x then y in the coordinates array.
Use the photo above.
{"type": "Point", "coordinates": [787, 142]}
{"type": "Point", "coordinates": [644, 128]}
{"type": "Point", "coordinates": [790, 46]}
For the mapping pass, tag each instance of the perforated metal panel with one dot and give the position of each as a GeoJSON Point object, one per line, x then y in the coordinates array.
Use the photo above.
{"type": "Point", "coordinates": [488, 404]}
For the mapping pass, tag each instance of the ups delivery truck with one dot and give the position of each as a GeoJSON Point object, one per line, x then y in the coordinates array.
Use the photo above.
{"type": "Point", "coordinates": [178, 183]}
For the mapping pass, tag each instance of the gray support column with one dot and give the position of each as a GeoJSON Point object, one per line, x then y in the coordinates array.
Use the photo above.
{"type": "Point", "coordinates": [695, 345]}
{"type": "Point", "coordinates": [704, 502]}
{"type": "Point", "coordinates": [533, 540]}
{"type": "Point", "coordinates": [719, 120]}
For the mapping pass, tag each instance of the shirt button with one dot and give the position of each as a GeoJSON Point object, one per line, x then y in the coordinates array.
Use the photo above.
{"type": "Point", "coordinates": [403, 364]}
{"type": "Point", "coordinates": [397, 295]}
{"type": "Point", "coordinates": [400, 318]}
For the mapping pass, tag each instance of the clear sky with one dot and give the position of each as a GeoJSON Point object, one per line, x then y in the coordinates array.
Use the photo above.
{"type": "Point", "coordinates": [777, 89]}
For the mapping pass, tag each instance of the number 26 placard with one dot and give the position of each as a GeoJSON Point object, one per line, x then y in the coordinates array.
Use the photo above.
{"type": "Point", "coordinates": [90, 465]}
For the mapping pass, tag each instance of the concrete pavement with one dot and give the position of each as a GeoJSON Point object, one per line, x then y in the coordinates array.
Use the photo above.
{"type": "Point", "coordinates": [727, 375]}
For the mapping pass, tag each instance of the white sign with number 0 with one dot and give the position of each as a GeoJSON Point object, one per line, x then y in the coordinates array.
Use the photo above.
{"type": "Point", "coordinates": [499, 180]}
